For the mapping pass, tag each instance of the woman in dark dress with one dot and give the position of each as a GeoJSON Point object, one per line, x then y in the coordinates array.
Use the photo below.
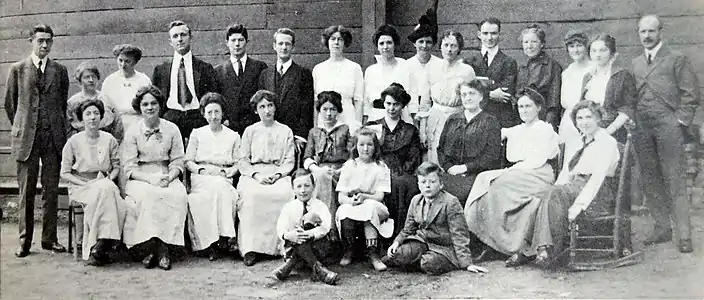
{"type": "Point", "coordinates": [470, 143]}
{"type": "Point", "coordinates": [328, 147]}
{"type": "Point", "coordinates": [541, 73]}
{"type": "Point", "coordinates": [400, 151]}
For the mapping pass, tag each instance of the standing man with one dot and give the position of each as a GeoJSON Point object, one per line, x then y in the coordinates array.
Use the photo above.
{"type": "Point", "coordinates": [292, 83]}
{"type": "Point", "coordinates": [184, 79]}
{"type": "Point", "coordinates": [239, 79]}
{"type": "Point", "coordinates": [501, 70]}
{"type": "Point", "coordinates": [667, 98]}
{"type": "Point", "coordinates": [35, 102]}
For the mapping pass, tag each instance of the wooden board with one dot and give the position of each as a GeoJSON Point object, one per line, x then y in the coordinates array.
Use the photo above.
{"type": "Point", "coordinates": [314, 14]}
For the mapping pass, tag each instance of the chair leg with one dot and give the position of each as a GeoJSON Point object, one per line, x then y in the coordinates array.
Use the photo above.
{"type": "Point", "coordinates": [70, 227]}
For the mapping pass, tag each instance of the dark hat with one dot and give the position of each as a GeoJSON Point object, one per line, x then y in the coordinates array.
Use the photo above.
{"type": "Point", "coordinates": [427, 26]}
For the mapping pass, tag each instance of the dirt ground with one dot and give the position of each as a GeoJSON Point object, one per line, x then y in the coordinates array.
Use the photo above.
{"type": "Point", "coordinates": [665, 273]}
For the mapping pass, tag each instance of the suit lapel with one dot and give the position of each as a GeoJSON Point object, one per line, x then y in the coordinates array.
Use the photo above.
{"type": "Point", "coordinates": [435, 208]}
{"type": "Point", "coordinates": [495, 65]}
{"type": "Point", "coordinates": [289, 78]}
{"type": "Point", "coordinates": [196, 75]}
{"type": "Point", "coordinates": [31, 81]}
{"type": "Point", "coordinates": [49, 72]}
{"type": "Point", "coordinates": [659, 58]}
{"type": "Point", "coordinates": [166, 78]}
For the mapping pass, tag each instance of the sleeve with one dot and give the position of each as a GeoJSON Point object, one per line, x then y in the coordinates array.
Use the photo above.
{"type": "Point", "coordinates": [410, 227]}
{"type": "Point", "coordinates": [689, 93]}
{"type": "Point", "coordinates": [11, 94]}
{"type": "Point", "coordinates": [491, 154]}
{"type": "Point", "coordinates": [307, 107]}
{"type": "Point", "coordinates": [245, 153]}
{"type": "Point", "coordinates": [368, 98]}
{"type": "Point", "coordinates": [545, 146]}
{"type": "Point", "coordinates": [68, 157]}
{"type": "Point", "coordinates": [309, 152]}
{"type": "Point", "coordinates": [284, 221]}
{"type": "Point", "coordinates": [192, 147]}
{"type": "Point", "coordinates": [114, 153]}
{"type": "Point", "coordinates": [176, 152]}
{"type": "Point", "coordinates": [443, 159]}
{"type": "Point", "coordinates": [608, 153]}
{"type": "Point", "coordinates": [325, 218]}
{"type": "Point", "coordinates": [510, 76]}
{"type": "Point", "coordinates": [316, 81]}
{"type": "Point", "coordinates": [65, 85]}
{"type": "Point", "coordinates": [235, 154]}
{"type": "Point", "coordinates": [555, 89]}
{"type": "Point", "coordinates": [130, 153]}
{"type": "Point", "coordinates": [628, 99]}
{"type": "Point", "coordinates": [343, 184]}
{"type": "Point", "coordinates": [358, 84]}
{"type": "Point", "coordinates": [383, 180]}
{"type": "Point", "coordinates": [459, 232]}
{"type": "Point", "coordinates": [415, 155]}
{"type": "Point", "coordinates": [156, 76]}
{"type": "Point", "coordinates": [289, 159]}
{"type": "Point", "coordinates": [213, 84]}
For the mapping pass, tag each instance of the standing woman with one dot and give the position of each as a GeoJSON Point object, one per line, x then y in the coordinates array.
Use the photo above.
{"type": "Point", "coordinates": [387, 70]}
{"type": "Point", "coordinates": [329, 146]}
{"type": "Point", "coordinates": [341, 75]}
{"type": "Point", "coordinates": [541, 73]}
{"type": "Point", "coordinates": [470, 142]}
{"type": "Point", "coordinates": [401, 151]}
{"type": "Point", "coordinates": [88, 77]}
{"type": "Point", "coordinates": [122, 85]}
{"type": "Point", "coordinates": [156, 198]}
{"type": "Point", "coordinates": [443, 94]}
{"type": "Point", "coordinates": [266, 159]}
{"type": "Point", "coordinates": [90, 164]}
{"type": "Point", "coordinates": [571, 91]}
{"type": "Point", "coordinates": [211, 157]}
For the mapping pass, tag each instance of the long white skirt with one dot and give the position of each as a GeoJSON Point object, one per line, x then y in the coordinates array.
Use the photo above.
{"type": "Point", "coordinates": [212, 205]}
{"type": "Point", "coordinates": [103, 211]}
{"type": "Point", "coordinates": [155, 212]}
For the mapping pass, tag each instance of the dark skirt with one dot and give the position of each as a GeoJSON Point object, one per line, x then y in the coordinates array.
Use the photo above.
{"type": "Point", "coordinates": [403, 189]}
{"type": "Point", "coordinates": [459, 186]}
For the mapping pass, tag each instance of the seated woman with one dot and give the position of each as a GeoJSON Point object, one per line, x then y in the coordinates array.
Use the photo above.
{"type": "Point", "coordinates": [156, 198]}
{"type": "Point", "coordinates": [328, 147]}
{"type": "Point", "coordinates": [364, 180]}
{"type": "Point", "coordinates": [88, 77]}
{"type": "Point", "coordinates": [470, 142]}
{"type": "Point", "coordinates": [577, 190]}
{"type": "Point", "coordinates": [435, 236]}
{"type": "Point", "coordinates": [304, 224]}
{"type": "Point", "coordinates": [90, 163]}
{"type": "Point", "coordinates": [211, 157]}
{"type": "Point", "coordinates": [266, 159]}
{"type": "Point", "coordinates": [498, 211]}
{"type": "Point", "coordinates": [400, 151]}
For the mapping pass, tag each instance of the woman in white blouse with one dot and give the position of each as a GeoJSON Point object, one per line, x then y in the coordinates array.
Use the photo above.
{"type": "Point", "coordinates": [122, 85]}
{"type": "Point", "coordinates": [578, 189]}
{"type": "Point", "coordinates": [498, 209]}
{"type": "Point", "coordinates": [341, 75]}
{"type": "Point", "coordinates": [387, 70]}
{"type": "Point", "coordinates": [571, 92]}
{"type": "Point", "coordinates": [211, 157]}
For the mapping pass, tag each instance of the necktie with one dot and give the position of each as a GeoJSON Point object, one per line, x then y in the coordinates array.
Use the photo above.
{"type": "Point", "coordinates": [281, 70]}
{"type": "Point", "coordinates": [305, 209]}
{"type": "Point", "coordinates": [575, 159]}
{"type": "Point", "coordinates": [426, 208]}
{"type": "Point", "coordinates": [184, 95]}
{"type": "Point", "coordinates": [40, 75]}
{"type": "Point", "coordinates": [650, 58]}
{"type": "Point", "coordinates": [240, 70]}
{"type": "Point", "coordinates": [149, 132]}
{"type": "Point", "coordinates": [486, 58]}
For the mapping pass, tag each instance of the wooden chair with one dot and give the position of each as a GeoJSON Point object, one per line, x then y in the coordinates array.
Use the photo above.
{"type": "Point", "coordinates": [610, 246]}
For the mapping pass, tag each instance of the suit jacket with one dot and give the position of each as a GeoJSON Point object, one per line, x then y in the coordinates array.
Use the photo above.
{"type": "Point", "coordinates": [204, 78]}
{"type": "Point", "coordinates": [22, 101]}
{"type": "Point", "coordinates": [504, 72]}
{"type": "Point", "coordinates": [669, 78]}
{"type": "Point", "coordinates": [445, 231]}
{"type": "Point", "coordinates": [237, 91]}
{"type": "Point", "coordinates": [295, 101]}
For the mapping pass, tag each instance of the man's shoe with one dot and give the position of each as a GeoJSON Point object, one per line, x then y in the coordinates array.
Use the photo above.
{"type": "Point", "coordinates": [55, 247]}
{"type": "Point", "coordinates": [347, 258]}
{"type": "Point", "coordinates": [149, 262]}
{"type": "Point", "coordinates": [250, 259]}
{"type": "Point", "coordinates": [285, 269]}
{"type": "Point", "coordinates": [659, 237]}
{"type": "Point", "coordinates": [165, 263]}
{"type": "Point", "coordinates": [323, 274]}
{"type": "Point", "coordinates": [685, 246]}
{"type": "Point", "coordinates": [21, 252]}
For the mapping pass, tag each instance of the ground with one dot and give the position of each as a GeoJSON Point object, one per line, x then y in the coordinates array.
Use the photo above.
{"type": "Point", "coordinates": [665, 273]}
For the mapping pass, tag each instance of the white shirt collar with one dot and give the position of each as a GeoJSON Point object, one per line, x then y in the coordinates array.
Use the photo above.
{"type": "Point", "coordinates": [243, 61]}
{"type": "Point", "coordinates": [654, 51]}
{"type": "Point", "coordinates": [286, 65]}
{"type": "Point", "coordinates": [36, 59]}
{"type": "Point", "coordinates": [492, 52]}
{"type": "Point", "coordinates": [391, 123]}
{"type": "Point", "coordinates": [187, 58]}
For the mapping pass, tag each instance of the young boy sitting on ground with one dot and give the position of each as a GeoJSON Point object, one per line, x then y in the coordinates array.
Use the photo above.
{"type": "Point", "coordinates": [304, 224]}
{"type": "Point", "coordinates": [435, 237]}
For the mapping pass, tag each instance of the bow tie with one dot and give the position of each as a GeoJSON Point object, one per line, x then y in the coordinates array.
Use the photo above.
{"type": "Point", "coordinates": [150, 132]}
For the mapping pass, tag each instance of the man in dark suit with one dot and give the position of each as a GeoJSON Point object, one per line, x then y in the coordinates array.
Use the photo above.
{"type": "Point", "coordinates": [239, 80]}
{"type": "Point", "coordinates": [668, 95]}
{"type": "Point", "coordinates": [35, 102]}
{"type": "Point", "coordinates": [292, 83]}
{"type": "Point", "coordinates": [501, 70]}
{"type": "Point", "coordinates": [184, 79]}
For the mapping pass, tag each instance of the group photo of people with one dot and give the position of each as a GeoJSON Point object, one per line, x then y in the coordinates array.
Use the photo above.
{"type": "Point", "coordinates": [423, 164]}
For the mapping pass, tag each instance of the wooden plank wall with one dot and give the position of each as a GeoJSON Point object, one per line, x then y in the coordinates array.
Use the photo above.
{"type": "Point", "coordinates": [87, 30]}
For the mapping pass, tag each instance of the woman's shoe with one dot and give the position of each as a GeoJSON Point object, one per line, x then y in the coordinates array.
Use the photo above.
{"type": "Point", "coordinates": [516, 260]}
{"type": "Point", "coordinates": [543, 258]}
{"type": "Point", "coordinates": [150, 261]}
{"type": "Point", "coordinates": [165, 263]}
{"type": "Point", "coordinates": [250, 259]}
{"type": "Point", "coordinates": [93, 260]}
{"type": "Point", "coordinates": [347, 258]}
{"type": "Point", "coordinates": [212, 254]}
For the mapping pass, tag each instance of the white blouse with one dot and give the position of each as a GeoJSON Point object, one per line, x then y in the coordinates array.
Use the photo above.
{"type": "Point", "coordinates": [531, 145]}
{"type": "Point", "coordinates": [423, 76]}
{"type": "Point", "coordinates": [377, 78]}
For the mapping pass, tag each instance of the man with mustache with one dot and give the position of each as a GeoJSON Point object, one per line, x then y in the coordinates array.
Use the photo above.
{"type": "Point", "coordinates": [184, 79]}
{"type": "Point", "coordinates": [667, 95]}
{"type": "Point", "coordinates": [37, 88]}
